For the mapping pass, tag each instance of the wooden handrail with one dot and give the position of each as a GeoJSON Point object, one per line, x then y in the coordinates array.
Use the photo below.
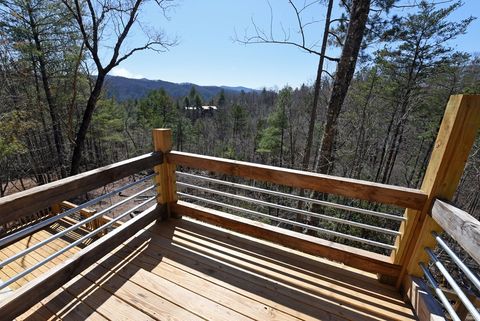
{"type": "Point", "coordinates": [25, 203]}
{"type": "Point", "coordinates": [460, 225]}
{"type": "Point", "coordinates": [364, 190]}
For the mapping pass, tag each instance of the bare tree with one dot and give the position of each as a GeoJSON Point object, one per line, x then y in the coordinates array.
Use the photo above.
{"type": "Point", "coordinates": [261, 36]}
{"type": "Point", "coordinates": [97, 20]}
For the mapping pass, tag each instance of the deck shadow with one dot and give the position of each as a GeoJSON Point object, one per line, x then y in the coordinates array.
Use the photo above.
{"type": "Point", "coordinates": [203, 252]}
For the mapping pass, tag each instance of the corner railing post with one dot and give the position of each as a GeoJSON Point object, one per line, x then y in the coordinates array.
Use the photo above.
{"type": "Point", "coordinates": [165, 178]}
{"type": "Point", "coordinates": [455, 138]}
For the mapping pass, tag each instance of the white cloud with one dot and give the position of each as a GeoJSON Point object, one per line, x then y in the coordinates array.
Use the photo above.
{"type": "Point", "coordinates": [122, 72]}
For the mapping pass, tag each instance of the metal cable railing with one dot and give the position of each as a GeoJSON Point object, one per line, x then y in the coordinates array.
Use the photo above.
{"type": "Point", "coordinates": [456, 288]}
{"type": "Point", "coordinates": [287, 221]}
{"type": "Point", "coordinates": [438, 291]}
{"type": "Point", "coordinates": [76, 242]}
{"type": "Point", "coordinates": [470, 275]}
{"type": "Point", "coordinates": [295, 197]}
{"type": "Point", "coordinates": [451, 281]}
{"type": "Point", "coordinates": [72, 228]}
{"type": "Point", "coordinates": [19, 234]}
{"type": "Point", "coordinates": [291, 209]}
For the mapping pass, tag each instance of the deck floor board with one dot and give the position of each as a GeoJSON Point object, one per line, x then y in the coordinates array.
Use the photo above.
{"type": "Point", "coordinates": [187, 270]}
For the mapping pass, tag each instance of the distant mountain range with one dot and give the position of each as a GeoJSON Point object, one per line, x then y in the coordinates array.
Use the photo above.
{"type": "Point", "coordinates": [122, 88]}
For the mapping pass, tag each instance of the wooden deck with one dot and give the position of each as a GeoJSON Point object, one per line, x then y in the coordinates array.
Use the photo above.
{"type": "Point", "coordinates": [185, 270]}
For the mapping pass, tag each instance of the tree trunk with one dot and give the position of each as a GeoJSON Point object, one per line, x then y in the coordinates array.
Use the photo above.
{"type": "Point", "coordinates": [281, 146]}
{"type": "Point", "coordinates": [358, 155]}
{"type": "Point", "coordinates": [383, 151]}
{"type": "Point", "coordinates": [46, 137]}
{"type": "Point", "coordinates": [314, 110]}
{"type": "Point", "coordinates": [343, 76]}
{"type": "Point", "coordinates": [57, 131]}
{"type": "Point", "coordinates": [316, 93]}
{"type": "Point", "coordinates": [87, 118]}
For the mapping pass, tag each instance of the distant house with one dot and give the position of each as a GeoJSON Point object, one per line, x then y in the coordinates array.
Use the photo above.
{"type": "Point", "coordinates": [202, 111]}
{"type": "Point", "coordinates": [203, 108]}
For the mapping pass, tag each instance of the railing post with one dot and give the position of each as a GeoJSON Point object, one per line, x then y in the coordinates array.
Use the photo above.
{"type": "Point", "coordinates": [455, 138]}
{"type": "Point", "coordinates": [165, 178]}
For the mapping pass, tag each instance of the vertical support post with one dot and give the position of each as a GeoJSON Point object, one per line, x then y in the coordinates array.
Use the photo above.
{"type": "Point", "coordinates": [455, 138]}
{"type": "Point", "coordinates": [165, 178]}
{"type": "Point", "coordinates": [55, 209]}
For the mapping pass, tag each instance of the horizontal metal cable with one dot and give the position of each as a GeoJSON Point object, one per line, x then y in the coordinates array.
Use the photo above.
{"type": "Point", "coordinates": [80, 240]}
{"type": "Point", "coordinates": [296, 197]}
{"type": "Point", "coordinates": [284, 220]}
{"type": "Point", "coordinates": [71, 228]}
{"type": "Point", "coordinates": [470, 275]}
{"type": "Point", "coordinates": [441, 296]}
{"type": "Point", "coordinates": [456, 288]}
{"type": "Point", "coordinates": [291, 209]}
{"type": "Point", "coordinates": [53, 219]}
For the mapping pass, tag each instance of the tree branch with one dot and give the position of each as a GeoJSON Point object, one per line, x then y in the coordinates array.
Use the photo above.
{"type": "Point", "coordinates": [260, 36]}
{"type": "Point", "coordinates": [339, 40]}
{"type": "Point", "coordinates": [328, 73]}
{"type": "Point", "coordinates": [299, 21]}
{"type": "Point", "coordinates": [157, 46]}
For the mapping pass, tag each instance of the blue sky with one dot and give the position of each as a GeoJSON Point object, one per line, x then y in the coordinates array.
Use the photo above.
{"type": "Point", "coordinates": [207, 55]}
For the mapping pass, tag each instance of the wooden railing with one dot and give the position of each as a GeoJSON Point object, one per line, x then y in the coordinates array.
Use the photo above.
{"type": "Point", "coordinates": [460, 225]}
{"type": "Point", "coordinates": [464, 229]}
{"type": "Point", "coordinates": [363, 190]}
{"type": "Point", "coordinates": [21, 204]}
{"type": "Point", "coordinates": [456, 135]}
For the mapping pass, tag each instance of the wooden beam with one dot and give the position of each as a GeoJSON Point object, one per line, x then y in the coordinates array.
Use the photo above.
{"type": "Point", "coordinates": [460, 225]}
{"type": "Point", "coordinates": [364, 190]}
{"type": "Point", "coordinates": [33, 292]}
{"type": "Point", "coordinates": [357, 258]}
{"type": "Point", "coordinates": [27, 202]}
{"type": "Point", "coordinates": [455, 138]}
{"type": "Point", "coordinates": [424, 304]}
{"type": "Point", "coordinates": [166, 178]}
{"type": "Point", "coordinates": [85, 213]}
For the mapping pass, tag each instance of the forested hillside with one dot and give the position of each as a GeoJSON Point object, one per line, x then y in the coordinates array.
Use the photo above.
{"type": "Point", "coordinates": [122, 89]}
{"type": "Point", "coordinates": [54, 108]}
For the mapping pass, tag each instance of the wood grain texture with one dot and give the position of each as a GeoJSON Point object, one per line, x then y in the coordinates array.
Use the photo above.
{"type": "Point", "coordinates": [119, 279]}
{"type": "Point", "coordinates": [332, 297]}
{"type": "Point", "coordinates": [190, 270]}
{"type": "Point", "coordinates": [27, 202]}
{"type": "Point", "coordinates": [165, 178]}
{"type": "Point", "coordinates": [460, 225]}
{"type": "Point", "coordinates": [39, 288]}
{"type": "Point", "coordinates": [364, 260]}
{"type": "Point", "coordinates": [424, 304]}
{"type": "Point", "coordinates": [86, 213]}
{"type": "Point", "coordinates": [455, 138]}
{"type": "Point", "coordinates": [369, 191]}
